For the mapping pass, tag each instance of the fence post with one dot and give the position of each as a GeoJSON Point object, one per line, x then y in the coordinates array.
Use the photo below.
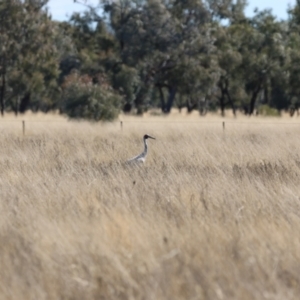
{"type": "Point", "coordinates": [223, 125]}
{"type": "Point", "coordinates": [23, 127]}
{"type": "Point", "coordinates": [121, 125]}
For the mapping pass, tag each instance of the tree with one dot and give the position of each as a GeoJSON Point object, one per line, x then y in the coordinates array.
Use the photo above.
{"type": "Point", "coordinates": [168, 42]}
{"type": "Point", "coordinates": [263, 50]}
{"type": "Point", "coordinates": [28, 58]}
{"type": "Point", "coordinates": [229, 61]}
{"type": "Point", "coordinates": [292, 69]}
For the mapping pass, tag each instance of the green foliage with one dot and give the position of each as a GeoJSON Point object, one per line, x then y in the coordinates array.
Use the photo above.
{"type": "Point", "coordinates": [151, 53]}
{"type": "Point", "coordinates": [28, 54]}
{"type": "Point", "coordinates": [266, 110]}
{"type": "Point", "coordinates": [84, 100]}
{"type": "Point", "coordinates": [127, 82]}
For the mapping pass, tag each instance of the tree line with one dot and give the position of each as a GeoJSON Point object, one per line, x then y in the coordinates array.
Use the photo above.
{"type": "Point", "coordinates": [133, 55]}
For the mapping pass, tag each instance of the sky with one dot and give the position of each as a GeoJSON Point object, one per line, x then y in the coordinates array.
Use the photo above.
{"type": "Point", "coordinates": [62, 9]}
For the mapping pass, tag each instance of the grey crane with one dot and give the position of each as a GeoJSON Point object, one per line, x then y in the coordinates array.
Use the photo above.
{"type": "Point", "coordinates": [142, 157]}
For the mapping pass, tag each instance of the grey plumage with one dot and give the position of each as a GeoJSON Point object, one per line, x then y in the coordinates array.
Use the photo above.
{"type": "Point", "coordinates": [142, 157]}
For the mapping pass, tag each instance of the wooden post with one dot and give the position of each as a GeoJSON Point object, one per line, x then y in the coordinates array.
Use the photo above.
{"type": "Point", "coordinates": [121, 124]}
{"type": "Point", "coordinates": [23, 126]}
{"type": "Point", "coordinates": [223, 125]}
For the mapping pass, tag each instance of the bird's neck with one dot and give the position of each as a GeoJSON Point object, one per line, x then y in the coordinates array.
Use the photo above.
{"type": "Point", "coordinates": [145, 146]}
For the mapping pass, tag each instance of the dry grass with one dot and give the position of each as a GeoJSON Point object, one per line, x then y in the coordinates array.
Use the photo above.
{"type": "Point", "coordinates": [211, 215]}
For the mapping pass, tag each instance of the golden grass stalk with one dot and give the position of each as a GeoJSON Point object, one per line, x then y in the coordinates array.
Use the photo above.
{"type": "Point", "coordinates": [212, 214]}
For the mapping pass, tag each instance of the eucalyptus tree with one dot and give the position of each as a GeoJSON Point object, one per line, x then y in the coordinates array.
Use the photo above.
{"type": "Point", "coordinates": [229, 61]}
{"type": "Point", "coordinates": [28, 64]}
{"type": "Point", "coordinates": [264, 55]}
{"type": "Point", "coordinates": [293, 68]}
{"type": "Point", "coordinates": [196, 66]}
{"type": "Point", "coordinates": [169, 44]}
{"type": "Point", "coordinates": [146, 34]}
{"type": "Point", "coordinates": [194, 49]}
{"type": "Point", "coordinates": [228, 44]}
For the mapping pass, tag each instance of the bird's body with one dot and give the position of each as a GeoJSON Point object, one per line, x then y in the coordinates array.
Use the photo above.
{"type": "Point", "coordinates": [142, 157]}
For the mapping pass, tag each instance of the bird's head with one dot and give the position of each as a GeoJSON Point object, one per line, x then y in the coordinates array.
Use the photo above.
{"type": "Point", "coordinates": [146, 136]}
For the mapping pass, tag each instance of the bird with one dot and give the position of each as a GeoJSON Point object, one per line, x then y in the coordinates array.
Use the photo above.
{"type": "Point", "coordinates": [141, 157]}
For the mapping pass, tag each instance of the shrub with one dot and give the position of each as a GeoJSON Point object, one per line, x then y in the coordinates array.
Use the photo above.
{"type": "Point", "coordinates": [266, 110]}
{"type": "Point", "coordinates": [84, 100]}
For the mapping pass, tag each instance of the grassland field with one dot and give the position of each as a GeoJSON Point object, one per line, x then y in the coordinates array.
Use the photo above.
{"type": "Point", "coordinates": [212, 214]}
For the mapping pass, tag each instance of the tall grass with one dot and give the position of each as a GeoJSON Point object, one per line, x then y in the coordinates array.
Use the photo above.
{"type": "Point", "coordinates": [211, 215]}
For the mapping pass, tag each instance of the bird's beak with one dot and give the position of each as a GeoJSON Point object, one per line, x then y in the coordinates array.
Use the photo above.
{"type": "Point", "coordinates": [151, 137]}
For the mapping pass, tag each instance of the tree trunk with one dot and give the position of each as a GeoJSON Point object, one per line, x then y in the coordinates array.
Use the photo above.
{"type": "Point", "coordinates": [24, 103]}
{"type": "Point", "coordinates": [16, 106]}
{"type": "Point", "coordinates": [190, 106]}
{"type": "Point", "coordinates": [171, 98]}
{"type": "Point", "coordinates": [253, 100]}
{"type": "Point", "coordinates": [162, 99]}
{"type": "Point", "coordinates": [222, 98]}
{"type": "Point", "coordinates": [2, 92]}
{"type": "Point", "coordinates": [222, 104]}
{"type": "Point", "coordinates": [231, 102]}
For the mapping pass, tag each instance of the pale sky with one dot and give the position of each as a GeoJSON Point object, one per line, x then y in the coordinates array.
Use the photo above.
{"type": "Point", "coordinates": [62, 9]}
